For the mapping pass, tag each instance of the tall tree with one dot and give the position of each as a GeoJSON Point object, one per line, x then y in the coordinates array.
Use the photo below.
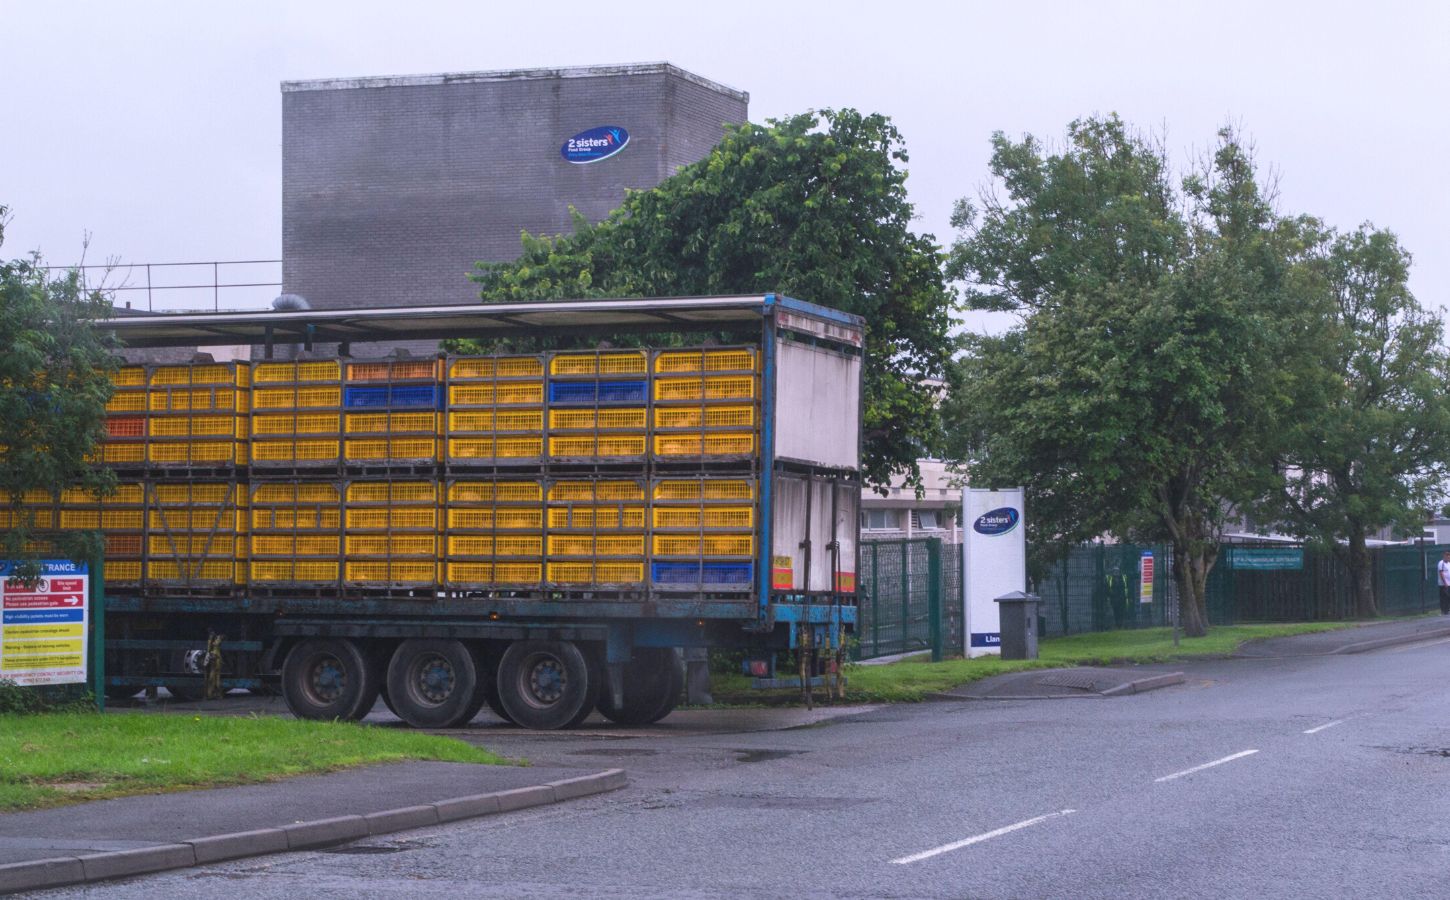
{"type": "Point", "coordinates": [54, 383]}
{"type": "Point", "coordinates": [1369, 444]}
{"type": "Point", "coordinates": [1139, 391]}
{"type": "Point", "coordinates": [813, 206]}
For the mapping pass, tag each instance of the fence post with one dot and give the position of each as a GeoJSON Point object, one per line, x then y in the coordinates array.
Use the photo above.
{"type": "Point", "coordinates": [875, 601]}
{"type": "Point", "coordinates": [934, 591]}
{"type": "Point", "coordinates": [905, 596]}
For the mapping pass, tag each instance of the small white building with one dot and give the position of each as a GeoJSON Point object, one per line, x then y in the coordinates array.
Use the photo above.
{"type": "Point", "coordinates": [901, 514]}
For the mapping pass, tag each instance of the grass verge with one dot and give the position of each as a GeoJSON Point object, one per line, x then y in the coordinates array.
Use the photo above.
{"type": "Point", "coordinates": [58, 758]}
{"type": "Point", "coordinates": [912, 679]}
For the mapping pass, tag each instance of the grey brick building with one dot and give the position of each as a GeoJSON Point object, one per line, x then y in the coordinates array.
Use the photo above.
{"type": "Point", "coordinates": [393, 187]}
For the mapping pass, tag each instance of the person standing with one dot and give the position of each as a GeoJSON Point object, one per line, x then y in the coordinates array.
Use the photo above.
{"type": "Point", "coordinates": [1444, 580]}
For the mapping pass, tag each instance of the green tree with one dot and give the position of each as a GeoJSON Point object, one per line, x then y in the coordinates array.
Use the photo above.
{"type": "Point", "coordinates": [1369, 444]}
{"type": "Point", "coordinates": [54, 383]}
{"type": "Point", "coordinates": [813, 206]}
{"type": "Point", "coordinates": [1139, 393]}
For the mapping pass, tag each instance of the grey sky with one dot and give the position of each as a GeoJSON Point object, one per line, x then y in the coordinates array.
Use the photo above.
{"type": "Point", "coordinates": [156, 127]}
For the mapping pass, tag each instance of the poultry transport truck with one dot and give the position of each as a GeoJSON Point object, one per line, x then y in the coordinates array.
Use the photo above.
{"type": "Point", "coordinates": [538, 532]}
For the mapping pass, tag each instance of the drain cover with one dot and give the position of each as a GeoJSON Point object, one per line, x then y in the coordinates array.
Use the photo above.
{"type": "Point", "coordinates": [1082, 681]}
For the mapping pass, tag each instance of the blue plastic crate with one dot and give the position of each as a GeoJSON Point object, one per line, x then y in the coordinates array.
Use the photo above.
{"type": "Point", "coordinates": [621, 391]}
{"type": "Point", "coordinates": [573, 391]}
{"type": "Point", "coordinates": [358, 397]}
{"type": "Point", "coordinates": [416, 396]}
{"type": "Point", "coordinates": [728, 573]}
{"type": "Point", "coordinates": [675, 573]}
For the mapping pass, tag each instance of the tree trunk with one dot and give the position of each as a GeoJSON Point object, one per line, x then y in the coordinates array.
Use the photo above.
{"type": "Point", "coordinates": [1361, 575]}
{"type": "Point", "coordinates": [1190, 571]}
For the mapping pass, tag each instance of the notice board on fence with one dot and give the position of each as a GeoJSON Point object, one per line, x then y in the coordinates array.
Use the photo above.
{"type": "Point", "coordinates": [43, 627]}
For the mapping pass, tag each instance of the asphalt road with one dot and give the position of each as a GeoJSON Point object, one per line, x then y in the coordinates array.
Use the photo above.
{"type": "Point", "coordinates": [1301, 777]}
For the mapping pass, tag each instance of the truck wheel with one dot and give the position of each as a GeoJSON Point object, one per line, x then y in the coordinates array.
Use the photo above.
{"type": "Point", "coordinates": [546, 685]}
{"type": "Point", "coordinates": [653, 680]}
{"type": "Point", "coordinates": [329, 679]}
{"type": "Point", "coordinates": [432, 683]}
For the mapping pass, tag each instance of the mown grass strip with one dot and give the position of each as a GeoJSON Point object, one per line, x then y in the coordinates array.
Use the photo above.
{"type": "Point", "coordinates": [56, 758]}
{"type": "Point", "coordinates": [911, 680]}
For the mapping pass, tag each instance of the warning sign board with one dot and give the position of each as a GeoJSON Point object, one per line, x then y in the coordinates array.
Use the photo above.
{"type": "Point", "coordinates": [43, 626]}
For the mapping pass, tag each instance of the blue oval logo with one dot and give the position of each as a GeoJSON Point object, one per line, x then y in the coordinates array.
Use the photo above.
{"type": "Point", "coordinates": [594, 144]}
{"type": "Point", "coordinates": [997, 521]}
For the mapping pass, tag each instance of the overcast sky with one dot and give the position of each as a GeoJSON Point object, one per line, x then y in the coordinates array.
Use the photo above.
{"type": "Point", "coordinates": [156, 127]}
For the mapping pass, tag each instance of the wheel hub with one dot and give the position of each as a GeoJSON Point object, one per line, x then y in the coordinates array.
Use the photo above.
{"type": "Point", "coordinates": [435, 681]}
{"type": "Point", "coordinates": [547, 681]}
{"type": "Point", "coordinates": [328, 680]}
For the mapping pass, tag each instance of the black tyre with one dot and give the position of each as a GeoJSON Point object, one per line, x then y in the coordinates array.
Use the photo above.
{"type": "Point", "coordinates": [490, 696]}
{"type": "Point", "coordinates": [546, 685]}
{"type": "Point", "coordinates": [329, 679]}
{"type": "Point", "coordinates": [653, 680]}
{"type": "Point", "coordinates": [432, 683]}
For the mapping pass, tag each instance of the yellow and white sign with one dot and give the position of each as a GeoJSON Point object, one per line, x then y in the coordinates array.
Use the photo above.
{"type": "Point", "coordinates": [43, 626]}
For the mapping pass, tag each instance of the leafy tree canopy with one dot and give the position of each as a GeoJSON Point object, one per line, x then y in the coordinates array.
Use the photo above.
{"type": "Point", "coordinates": [813, 206]}
{"type": "Point", "coordinates": [54, 384]}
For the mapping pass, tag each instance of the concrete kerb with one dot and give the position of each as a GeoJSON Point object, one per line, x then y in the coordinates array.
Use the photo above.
{"type": "Point", "coordinates": [1151, 683]}
{"type": "Point", "coordinates": [60, 871]}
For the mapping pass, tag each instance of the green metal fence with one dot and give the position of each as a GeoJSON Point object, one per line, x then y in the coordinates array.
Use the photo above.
{"type": "Point", "coordinates": [911, 591]}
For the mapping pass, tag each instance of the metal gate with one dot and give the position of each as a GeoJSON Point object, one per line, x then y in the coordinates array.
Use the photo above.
{"type": "Point", "coordinates": [899, 598]}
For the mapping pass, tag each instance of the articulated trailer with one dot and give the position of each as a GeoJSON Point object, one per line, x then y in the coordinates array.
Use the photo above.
{"type": "Point", "coordinates": [541, 533]}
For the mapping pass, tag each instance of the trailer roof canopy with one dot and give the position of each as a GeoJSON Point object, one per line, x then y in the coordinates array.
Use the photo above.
{"type": "Point", "coordinates": [475, 321]}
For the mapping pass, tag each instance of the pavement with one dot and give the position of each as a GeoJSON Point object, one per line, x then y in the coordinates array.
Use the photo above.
{"type": "Point", "coordinates": [136, 835]}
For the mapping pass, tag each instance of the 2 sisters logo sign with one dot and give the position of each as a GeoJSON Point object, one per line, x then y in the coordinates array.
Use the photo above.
{"type": "Point", "coordinates": [997, 521]}
{"type": "Point", "coordinates": [595, 144]}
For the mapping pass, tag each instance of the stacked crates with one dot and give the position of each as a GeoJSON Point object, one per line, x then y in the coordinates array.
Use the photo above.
{"type": "Point", "coordinates": [196, 535]}
{"type": "Point", "coordinates": [297, 416]}
{"type": "Point", "coordinates": [495, 411]}
{"type": "Point", "coordinates": [597, 532]}
{"type": "Point", "coordinates": [597, 406]}
{"type": "Point", "coordinates": [121, 517]}
{"type": "Point", "coordinates": [705, 404]}
{"type": "Point", "coordinates": [494, 533]}
{"type": "Point", "coordinates": [126, 421]}
{"type": "Point", "coordinates": [703, 533]}
{"type": "Point", "coordinates": [390, 534]}
{"type": "Point", "coordinates": [391, 412]}
{"type": "Point", "coordinates": [296, 536]}
{"type": "Point", "coordinates": [198, 416]}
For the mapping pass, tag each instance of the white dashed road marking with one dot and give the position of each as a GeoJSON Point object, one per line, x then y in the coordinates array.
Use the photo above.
{"type": "Point", "coordinates": [1318, 728]}
{"type": "Point", "coordinates": [1208, 765]}
{"type": "Point", "coordinates": [977, 839]}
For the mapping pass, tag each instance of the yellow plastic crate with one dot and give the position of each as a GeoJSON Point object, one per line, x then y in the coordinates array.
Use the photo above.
{"type": "Point", "coordinates": [82, 518]}
{"type": "Point", "coordinates": [391, 572]}
{"type": "Point", "coordinates": [710, 387]}
{"type": "Point", "coordinates": [392, 545]}
{"type": "Point", "coordinates": [286, 372]}
{"type": "Point", "coordinates": [285, 518]}
{"type": "Point", "coordinates": [713, 489]}
{"type": "Point", "coordinates": [392, 422]}
{"type": "Point", "coordinates": [295, 451]}
{"type": "Point", "coordinates": [394, 518]}
{"type": "Point", "coordinates": [127, 401]}
{"type": "Point", "coordinates": [515, 518]}
{"type": "Point", "coordinates": [495, 492]}
{"type": "Point", "coordinates": [391, 448]}
{"type": "Point", "coordinates": [296, 571]}
{"type": "Point", "coordinates": [596, 517]}
{"type": "Point", "coordinates": [704, 416]}
{"type": "Point", "coordinates": [194, 426]}
{"type": "Point", "coordinates": [741, 360]}
{"type": "Point", "coordinates": [596, 545]}
{"type": "Point", "coordinates": [194, 374]}
{"type": "Point", "coordinates": [392, 492]}
{"type": "Point", "coordinates": [596, 573]}
{"type": "Point", "coordinates": [295, 492]}
{"type": "Point", "coordinates": [123, 453]}
{"type": "Point", "coordinates": [118, 571]}
{"type": "Point", "coordinates": [296, 544]}
{"type": "Point", "coordinates": [598, 364]}
{"type": "Point", "coordinates": [120, 519]}
{"type": "Point", "coordinates": [123, 546]}
{"type": "Point", "coordinates": [500, 393]}
{"type": "Point", "coordinates": [393, 370]}
{"type": "Point", "coordinates": [297, 398]}
{"type": "Point", "coordinates": [494, 573]}
{"type": "Point", "coordinates": [129, 376]}
{"type": "Point", "coordinates": [472, 367]}
{"type": "Point", "coordinates": [495, 545]}
{"type": "Point", "coordinates": [41, 518]}
{"type": "Point", "coordinates": [707, 444]}
{"type": "Point", "coordinates": [189, 494]}
{"type": "Point", "coordinates": [600, 445]}
{"type": "Point", "coordinates": [191, 452]}
{"type": "Point", "coordinates": [497, 367]}
{"type": "Point", "coordinates": [298, 423]}
{"type": "Point", "coordinates": [191, 544]}
{"type": "Point", "coordinates": [704, 545]}
{"type": "Point", "coordinates": [706, 517]}
{"type": "Point", "coordinates": [595, 490]}
{"type": "Point", "coordinates": [202, 519]}
{"type": "Point", "coordinates": [602, 419]}
{"type": "Point", "coordinates": [192, 570]}
{"type": "Point", "coordinates": [213, 399]}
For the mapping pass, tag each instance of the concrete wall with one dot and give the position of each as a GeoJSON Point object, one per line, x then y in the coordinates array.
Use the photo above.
{"type": "Point", "coordinates": [394, 187]}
